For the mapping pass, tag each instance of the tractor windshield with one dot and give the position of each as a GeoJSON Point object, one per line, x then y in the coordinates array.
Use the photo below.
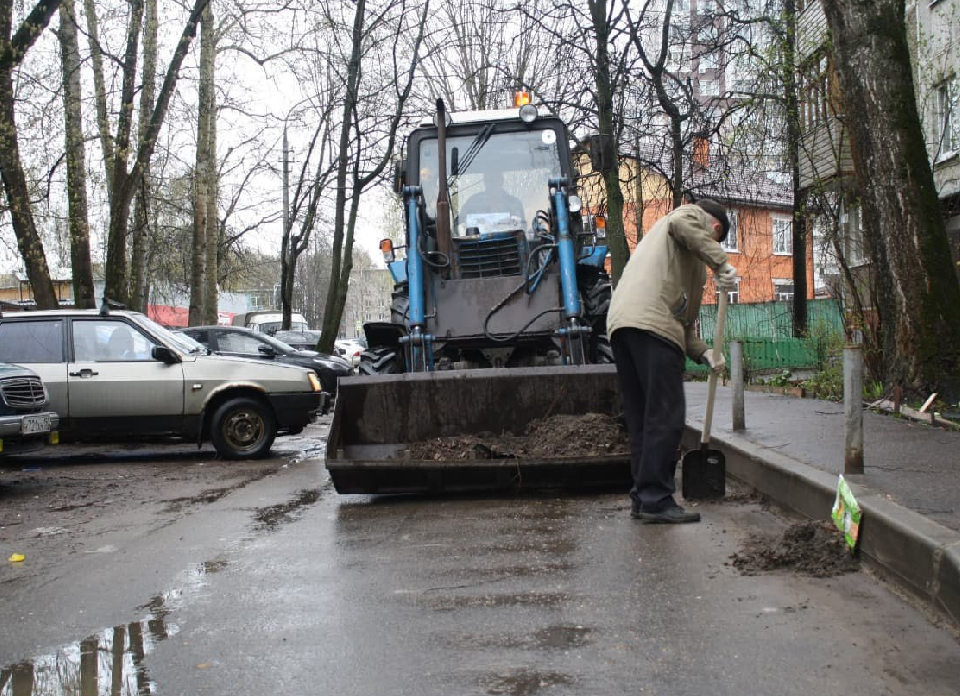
{"type": "Point", "coordinates": [496, 184]}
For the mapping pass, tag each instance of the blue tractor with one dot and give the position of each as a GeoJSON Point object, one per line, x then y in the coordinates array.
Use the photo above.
{"type": "Point", "coordinates": [499, 306]}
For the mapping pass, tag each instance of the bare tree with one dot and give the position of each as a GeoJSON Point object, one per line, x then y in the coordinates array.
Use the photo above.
{"type": "Point", "coordinates": [368, 132]}
{"type": "Point", "coordinates": [141, 246]}
{"type": "Point", "coordinates": [126, 179]}
{"type": "Point", "coordinates": [919, 298]}
{"type": "Point", "coordinates": [203, 300]}
{"type": "Point", "coordinates": [29, 243]}
{"type": "Point", "coordinates": [76, 159]}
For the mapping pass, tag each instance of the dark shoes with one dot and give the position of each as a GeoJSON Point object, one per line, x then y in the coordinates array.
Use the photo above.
{"type": "Point", "coordinates": [670, 515]}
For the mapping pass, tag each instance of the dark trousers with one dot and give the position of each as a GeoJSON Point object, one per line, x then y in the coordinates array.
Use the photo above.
{"type": "Point", "coordinates": [650, 370]}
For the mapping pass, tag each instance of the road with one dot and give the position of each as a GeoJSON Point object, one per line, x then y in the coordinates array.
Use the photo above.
{"type": "Point", "coordinates": [195, 576]}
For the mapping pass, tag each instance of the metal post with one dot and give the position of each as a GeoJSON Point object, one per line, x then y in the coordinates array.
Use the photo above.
{"type": "Point", "coordinates": [853, 408]}
{"type": "Point", "coordinates": [737, 380]}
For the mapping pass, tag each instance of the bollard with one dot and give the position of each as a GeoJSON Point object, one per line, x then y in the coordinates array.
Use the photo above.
{"type": "Point", "coordinates": [853, 408]}
{"type": "Point", "coordinates": [737, 380]}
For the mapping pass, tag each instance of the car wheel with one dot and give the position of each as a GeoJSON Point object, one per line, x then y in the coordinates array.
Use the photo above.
{"type": "Point", "coordinates": [243, 429]}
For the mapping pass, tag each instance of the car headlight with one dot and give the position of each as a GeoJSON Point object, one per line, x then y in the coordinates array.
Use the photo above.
{"type": "Point", "coordinates": [315, 382]}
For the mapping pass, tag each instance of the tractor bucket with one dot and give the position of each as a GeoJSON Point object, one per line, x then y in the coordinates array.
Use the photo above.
{"type": "Point", "coordinates": [377, 419]}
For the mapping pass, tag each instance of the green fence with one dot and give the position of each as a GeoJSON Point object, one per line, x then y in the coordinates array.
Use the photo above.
{"type": "Point", "coordinates": [766, 331]}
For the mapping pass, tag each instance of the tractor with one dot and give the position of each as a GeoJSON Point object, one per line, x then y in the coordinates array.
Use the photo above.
{"type": "Point", "coordinates": [498, 313]}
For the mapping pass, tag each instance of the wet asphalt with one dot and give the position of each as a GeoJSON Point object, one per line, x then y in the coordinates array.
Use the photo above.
{"type": "Point", "coordinates": [284, 587]}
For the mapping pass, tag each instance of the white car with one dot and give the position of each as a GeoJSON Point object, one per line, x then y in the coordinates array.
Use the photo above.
{"type": "Point", "coordinates": [351, 349]}
{"type": "Point", "coordinates": [117, 375]}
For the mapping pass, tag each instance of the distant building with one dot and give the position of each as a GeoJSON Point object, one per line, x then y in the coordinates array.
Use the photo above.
{"type": "Point", "coordinates": [368, 299]}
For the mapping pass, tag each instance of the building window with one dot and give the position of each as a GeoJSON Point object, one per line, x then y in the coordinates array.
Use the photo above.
{"type": "Point", "coordinates": [707, 62]}
{"type": "Point", "coordinates": [783, 290]}
{"type": "Point", "coordinates": [851, 223]}
{"type": "Point", "coordinates": [946, 118]}
{"type": "Point", "coordinates": [815, 94]}
{"type": "Point", "coordinates": [709, 88]}
{"type": "Point", "coordinates": [730, 243]}
{"type": "Point", "coordinates": [782, 235]}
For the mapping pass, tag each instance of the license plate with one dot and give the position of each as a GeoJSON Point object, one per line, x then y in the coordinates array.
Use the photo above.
{"type": "Point", "coordinates": [35, 424]}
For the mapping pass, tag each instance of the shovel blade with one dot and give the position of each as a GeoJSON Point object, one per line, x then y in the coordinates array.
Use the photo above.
{"type": "Point", "coordinates": [704, 474]}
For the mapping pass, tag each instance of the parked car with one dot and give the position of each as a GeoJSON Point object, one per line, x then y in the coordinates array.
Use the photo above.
{"type": "Point", "coordinates": [352, 349]}
{"type": "Point", "coordinates": [245, 343]}
{"type": "Point", "coordinates": [305, 339]}
{"type": "Point", "coordinates": [26, 424]}
{"type": "Point", "coordinates": [117, 375]}
{"type": "Point", "coordinates": [268, 321]}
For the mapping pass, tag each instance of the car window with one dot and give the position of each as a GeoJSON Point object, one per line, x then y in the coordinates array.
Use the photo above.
{"type": "Point", "coordinates": [229, 342]}
{"type": "Point", "coordinates": [198, 335]}
{"type": "Point", "coordinates": [106, 340]}
{"type": "Point", "coordinates": [31, 341]}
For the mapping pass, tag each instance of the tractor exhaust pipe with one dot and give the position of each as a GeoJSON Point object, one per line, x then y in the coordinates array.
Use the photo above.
{"type": "Point", "coordinates": [443, 194]}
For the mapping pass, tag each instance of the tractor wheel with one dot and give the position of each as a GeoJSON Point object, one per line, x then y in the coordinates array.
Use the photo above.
{"type": "Point", "coordinates": [600, 350]}
{"type": "Point", "coordinates": [243, 428]}
{"type": "Point", "coordinates": [380, 361]}
{"type": "Point", "coordinates": [595, 292]}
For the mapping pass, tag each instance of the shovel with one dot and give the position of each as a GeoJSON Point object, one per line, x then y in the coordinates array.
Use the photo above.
{"type": "Point", "coordinates": [705, 469]}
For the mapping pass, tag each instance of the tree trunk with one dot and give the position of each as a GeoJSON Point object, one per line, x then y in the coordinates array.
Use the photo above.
{"type": "Point", "coordinates": [125, 184]}
{"type": "Point", "coordinates": [919, 296]}
{"type": "Point", "coordinates": [799, 225]}
{"type": "Point", "coordinates": [609, 141]}
{"type": "Point", "coordinates": [142, 208]}
{"type": "Point", "coordinates": [100, 92]}
{"type": "Point", "coordinates": [203, 177]}
{"type": "Point", "coordinates": [76, 160]}
{"type": "Point", "coordinates": [15, 182]}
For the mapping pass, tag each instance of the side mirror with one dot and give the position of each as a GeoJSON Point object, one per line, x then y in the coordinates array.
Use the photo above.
{"type": "Point", "coordinates": [164, 355]}
{"type": "Point", "coordinates": [267, 351]}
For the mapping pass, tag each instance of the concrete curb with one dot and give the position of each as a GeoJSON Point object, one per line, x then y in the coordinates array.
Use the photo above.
{"type": "Point", "coordinates": [919, 555]}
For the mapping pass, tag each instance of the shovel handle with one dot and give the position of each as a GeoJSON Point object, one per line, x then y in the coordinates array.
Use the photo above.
{"type": "Point", "coordinates": [712, 379]}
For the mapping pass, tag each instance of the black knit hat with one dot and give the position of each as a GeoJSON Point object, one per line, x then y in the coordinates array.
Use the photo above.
{"type": "Point", "coordinates": [711, 207]}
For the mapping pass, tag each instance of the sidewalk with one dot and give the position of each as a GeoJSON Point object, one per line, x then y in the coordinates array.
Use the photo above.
{"type": "Point", "coordinates": [792, 451]}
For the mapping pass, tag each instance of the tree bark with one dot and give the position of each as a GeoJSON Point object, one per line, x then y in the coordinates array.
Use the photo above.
{"type": "Point", "coordinates": [143, 207]}
{"type": "Point", "coordinates": [76, 160]}
{"type": "Point", "coordinates": [15, 181]}
{"type": "Point", "coordinates": [904, 231]}
{"type": "Point", "coordinates": [798, 229]}
{"type": "Point", "coordinates": [202, 175]}
{"type": "Point", "coordinates": [13, 51]}
{"type": "Point", "coordinates": [208, 70]}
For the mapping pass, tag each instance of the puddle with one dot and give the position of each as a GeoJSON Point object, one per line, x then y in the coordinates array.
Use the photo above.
{"type": "Point", "coordinates": [270, 518]}
{"type": "Point", "coordinates": [523, 682]}
{"type": "Point", "coordinates": [111, 661]}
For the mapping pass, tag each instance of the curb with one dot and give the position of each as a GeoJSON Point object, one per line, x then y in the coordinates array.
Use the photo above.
{"type": "Point", "coordinates": [919, 555]}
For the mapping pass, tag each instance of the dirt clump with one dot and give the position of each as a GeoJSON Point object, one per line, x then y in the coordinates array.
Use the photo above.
{"type": "Point", "coordinates": [587, 435]}
{"type": "Point", "coordinates": [808, 548]}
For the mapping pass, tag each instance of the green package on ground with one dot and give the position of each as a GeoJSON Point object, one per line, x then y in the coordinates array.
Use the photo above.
{"type": "Point", "coordinates": [846, 514]}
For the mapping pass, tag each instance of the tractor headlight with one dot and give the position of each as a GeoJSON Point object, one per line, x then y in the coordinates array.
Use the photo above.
{"type": "Point", "coordinates": [528, 113]}
{"type": "Point", "coordinates": [574, 204]}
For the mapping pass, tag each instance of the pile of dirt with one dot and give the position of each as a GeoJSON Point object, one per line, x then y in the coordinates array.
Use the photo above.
{"type": "Point", "coordinates": [587, 435]}
{"type": "Point", "coordinates": [807, 548]}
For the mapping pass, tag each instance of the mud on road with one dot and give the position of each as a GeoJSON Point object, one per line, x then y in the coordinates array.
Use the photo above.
{"type": "Point", "coordinates": [56, 502]}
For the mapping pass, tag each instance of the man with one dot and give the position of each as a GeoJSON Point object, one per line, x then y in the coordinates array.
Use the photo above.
{"type": "Point", "coordinates": [651, 324]}
{"type": "Point", "coordinates": [493, 200]}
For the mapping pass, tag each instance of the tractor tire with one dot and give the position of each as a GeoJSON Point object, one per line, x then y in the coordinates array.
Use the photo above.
{"type": "Point", "coordinates": [380, 361]}
{"type": "Point", "coordinates": [243, 428]}
{"type": "Point", "coordinates": [595, 293]}
{"type": "Point", "coordinates": [600, 351]}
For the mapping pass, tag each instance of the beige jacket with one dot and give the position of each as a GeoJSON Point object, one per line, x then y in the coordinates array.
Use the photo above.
{"type": "Point", "coordinates": [662, 285]}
